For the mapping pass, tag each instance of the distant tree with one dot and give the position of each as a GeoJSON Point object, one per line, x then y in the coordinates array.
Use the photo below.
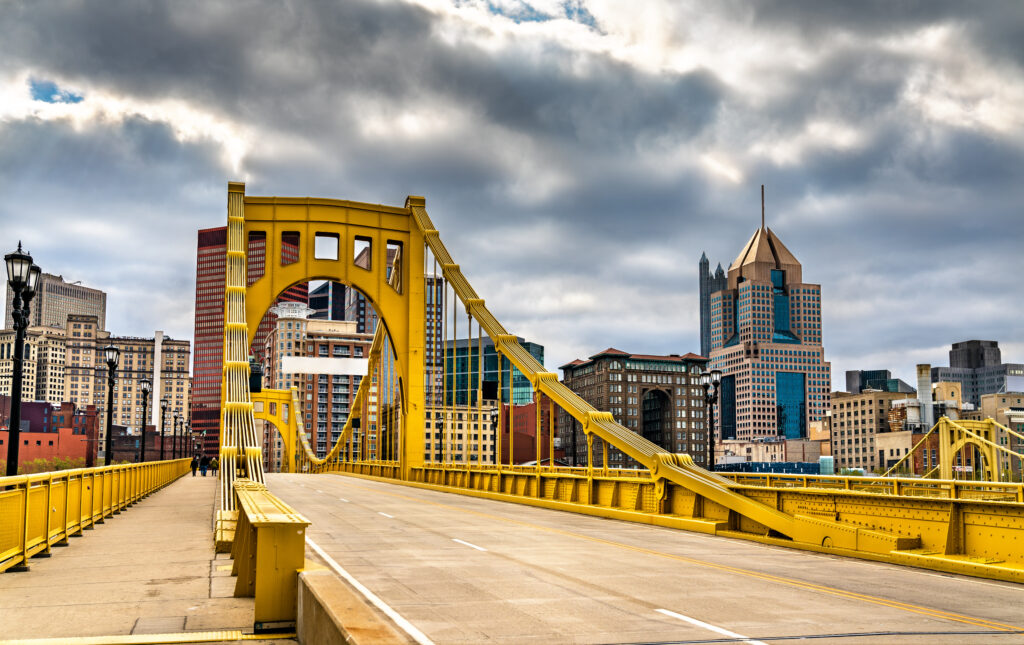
{"type": "Point", "coordinates": [42, 465]}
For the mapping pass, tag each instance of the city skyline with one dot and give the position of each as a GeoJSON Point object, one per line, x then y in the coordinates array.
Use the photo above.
{"type": "Point", "coordinates": [889, 141]}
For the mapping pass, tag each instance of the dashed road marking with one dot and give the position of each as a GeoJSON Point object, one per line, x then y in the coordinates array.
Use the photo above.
{"type": "Point", "coordinates": [472, 546]}
{"type": "Point", "coordinates": [710, 627]}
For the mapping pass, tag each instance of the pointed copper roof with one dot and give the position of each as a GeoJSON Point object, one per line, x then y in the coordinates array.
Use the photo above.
{"type": "Point", "coordinates": [764, 246]}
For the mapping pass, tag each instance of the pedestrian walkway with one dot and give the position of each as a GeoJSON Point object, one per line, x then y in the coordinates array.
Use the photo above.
{"type": "Point", "coordinates": [149, 570]}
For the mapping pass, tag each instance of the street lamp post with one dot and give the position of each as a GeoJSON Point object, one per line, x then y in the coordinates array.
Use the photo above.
{"type": "Point", "coordinates": [494, 431]}
{"type": "Point", "coordinates": [163, 426]}
{"type": "Point", "coordinates": [22, 276]}
{"type": "Point", "coordinates": [147, 387]}
{"type": "Point", "coordinates": [112, 354]}
{"type": "Point", "coordinates": [174, 435]}
{"type": "Point", "coordinates": [711, 380]}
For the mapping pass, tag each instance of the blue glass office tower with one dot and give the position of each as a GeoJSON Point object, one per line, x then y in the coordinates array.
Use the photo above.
{"type": "Point", "coordinates": [766, 339]}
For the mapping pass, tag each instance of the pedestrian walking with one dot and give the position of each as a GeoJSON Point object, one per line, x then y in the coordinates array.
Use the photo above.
{"type": "Point", "coordinates": [213, 466]}
{"type": "Point", "coordinates": [204, 463]}
{"type": "Point", "coordinates": [195, 465]}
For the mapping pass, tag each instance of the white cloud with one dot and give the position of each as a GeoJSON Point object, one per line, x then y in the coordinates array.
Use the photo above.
{"type": "Point", "coordinates": [189, 122]}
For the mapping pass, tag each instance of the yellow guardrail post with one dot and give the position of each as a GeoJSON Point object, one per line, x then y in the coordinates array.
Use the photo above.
{"type": "Point", "coordinates": [268, 550]}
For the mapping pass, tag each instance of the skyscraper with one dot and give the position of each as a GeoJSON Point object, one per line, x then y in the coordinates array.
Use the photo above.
{"type": "Point", "coordinates": [208, 341]}
{"type": "Point", "coordinates": [55, 299]}
{"type": "Point", "coordinates": [766, 339]}
{"type": "Point", "coordinates": [709, 284]}
{"type": "Point", "coordinates": [211, 256]}
{"type": "Point", "coordinates": [328, 301]}
{"type": "Point", "coordinates": [977, 365]}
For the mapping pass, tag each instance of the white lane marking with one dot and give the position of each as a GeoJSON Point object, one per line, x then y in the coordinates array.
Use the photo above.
{"type": "Point", "coordinates": [319, 491]}
{"type": "Point", "coordinates": [343, 499]}
{"type": "Point", "coordinates": [386, 515]}
{"type": "Point", "coordinates": [404, 624]}
{"type": "Point", "coordinates": [709, 627]}
{"type": "Point", "coordinates": [472, 546]}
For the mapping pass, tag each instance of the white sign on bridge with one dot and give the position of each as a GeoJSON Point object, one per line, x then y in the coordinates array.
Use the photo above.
{"type": "Point", "coordinates": [316, 365]}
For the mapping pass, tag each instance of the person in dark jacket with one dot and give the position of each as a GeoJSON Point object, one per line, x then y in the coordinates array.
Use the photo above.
{"type": "Point", "coordinates": [204, 463]}
{"type": "Point", "coordinates": [195, 465]}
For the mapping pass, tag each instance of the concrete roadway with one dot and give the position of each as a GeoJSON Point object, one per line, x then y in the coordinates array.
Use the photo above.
{"type": "Point", "coordinates": [469, 570]}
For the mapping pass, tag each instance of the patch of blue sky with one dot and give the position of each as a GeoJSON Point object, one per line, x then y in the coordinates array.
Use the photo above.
{"type": "Point", "coordinates": [520, 12]}
{"type": "Point", "coordinates": [48, 92]}
{"type": "Point", "coordinates": [575, 11]}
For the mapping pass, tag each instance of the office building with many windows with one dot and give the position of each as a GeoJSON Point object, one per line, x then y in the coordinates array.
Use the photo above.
{"type": "Point", "coordinates": [977, 365]}
{"type": "Point", "coordinates": [658, 397]}
{"type": "Point", "coordinates": [462, 372]}
{"type": "Point", "coordinates": [766, 340]}
{"type": "Point", "coordinates": [211, 257]}
{"type": "Point", "coordinates": [55, 299]}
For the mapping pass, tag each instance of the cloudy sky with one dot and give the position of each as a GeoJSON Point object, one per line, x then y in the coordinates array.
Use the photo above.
{"type": "Point", "coordinates": [577, 156]}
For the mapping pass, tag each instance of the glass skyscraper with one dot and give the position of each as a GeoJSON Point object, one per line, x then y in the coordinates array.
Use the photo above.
{"type": "Point", "coordinates": [462, 376]}
{"type": "Point", "coordinates": [766, 338]}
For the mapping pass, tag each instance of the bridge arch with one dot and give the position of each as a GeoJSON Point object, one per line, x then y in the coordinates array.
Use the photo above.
{"type": "Point", "coordinates": [981, 452]}
{"type": "Point", "coordinates": [376, 249]}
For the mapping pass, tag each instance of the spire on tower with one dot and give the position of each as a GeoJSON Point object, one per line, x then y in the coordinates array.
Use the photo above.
{"type": "Point", "coordinates": [762, 206]}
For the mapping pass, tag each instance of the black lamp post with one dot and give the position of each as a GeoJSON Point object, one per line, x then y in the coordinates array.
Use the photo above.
{"type": "Point", "coordinates": [22, 276]}
{"type": "Point", "coordinates": [147, 387]}
{"type": "Point", "coordinates": [174, 436]}
{"type": "Point", "coordinates": [494, 430]}
{"type": "Point", "coordinates": [711, 380]}
{"type": "Point", "coordinates": [112, 354]}
{"type": "Point", "coordinates": [163, 426]}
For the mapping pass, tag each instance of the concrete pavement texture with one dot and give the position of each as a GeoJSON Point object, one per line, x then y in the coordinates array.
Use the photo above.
{"type": "Point", "coordinates": [468, 570]}
{"type": "Point", "coordinates": [149, 570]}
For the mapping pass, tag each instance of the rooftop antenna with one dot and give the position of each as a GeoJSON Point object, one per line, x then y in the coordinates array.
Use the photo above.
{"type": "Point", "coordinates": [762, 206]}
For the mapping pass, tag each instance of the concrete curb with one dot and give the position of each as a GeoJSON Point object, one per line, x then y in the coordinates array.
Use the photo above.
{"type": "Point", "coordinates": [329, 611]}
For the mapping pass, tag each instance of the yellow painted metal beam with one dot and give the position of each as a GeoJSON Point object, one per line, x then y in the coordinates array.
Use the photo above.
{"type": "Point", "coordinates": [218, 636]}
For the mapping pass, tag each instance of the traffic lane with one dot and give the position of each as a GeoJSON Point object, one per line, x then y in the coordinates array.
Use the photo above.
{"type": "Point", "coordinates": [608, 577]}
{"type": "Point", "coordinates": [998, 601]}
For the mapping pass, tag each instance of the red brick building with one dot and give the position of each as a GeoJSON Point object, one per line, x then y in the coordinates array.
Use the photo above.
{"type": "Point", "coordinates": [49, 431]}
{"type": "Point", "coordinates": [208, 344]}
{"type": "Point", "coordinates": [524, 425]}
{"type": "Point", "coordinates": [658, 397]}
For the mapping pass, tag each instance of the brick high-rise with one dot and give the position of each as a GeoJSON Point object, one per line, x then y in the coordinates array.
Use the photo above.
{"type": "Point", "coordinates": [208, 342]}
{"type": "Point", "coordinates": [211, 254]}
{"type": "Point", "coordinates": [766, 339]}
{"type": "Point", "coordinates": [657, 397]}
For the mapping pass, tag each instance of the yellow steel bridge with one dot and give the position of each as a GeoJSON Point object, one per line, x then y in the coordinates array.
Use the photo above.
{"type": "Point", "coordinates": [406, 423]}
{"type": "Point", "coordinates": [395, 257]}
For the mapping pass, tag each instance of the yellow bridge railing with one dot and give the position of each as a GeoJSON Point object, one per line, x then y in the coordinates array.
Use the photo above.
{"type": "Point", "coordinates": [42, 510]}
{"type": "Point", "coordinates": [897, 486]}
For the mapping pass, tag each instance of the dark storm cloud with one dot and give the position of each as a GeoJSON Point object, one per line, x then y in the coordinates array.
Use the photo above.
{"type": "Point", "coordinates": [592, 160]}
{"type": "Point", "coordinates": [115, 206]}
{"type": "Point", "coordinates": [873, 19]}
